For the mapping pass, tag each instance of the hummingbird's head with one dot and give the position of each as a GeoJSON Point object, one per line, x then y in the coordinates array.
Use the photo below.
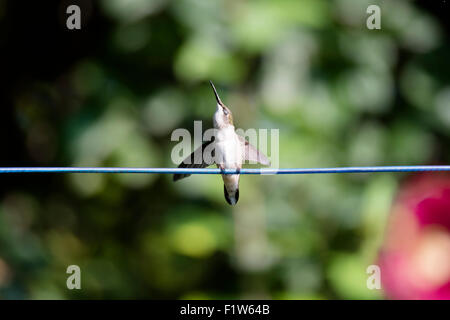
{"type": "Point", "coordinates": [222, 117]}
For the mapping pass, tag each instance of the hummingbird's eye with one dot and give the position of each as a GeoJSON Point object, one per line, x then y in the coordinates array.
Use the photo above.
{"type": "Point", "coordinates": [225, 111]}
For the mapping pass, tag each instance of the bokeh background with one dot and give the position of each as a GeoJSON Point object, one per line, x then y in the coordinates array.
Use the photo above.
{"type": "Point", "coordinates": [111, 94]}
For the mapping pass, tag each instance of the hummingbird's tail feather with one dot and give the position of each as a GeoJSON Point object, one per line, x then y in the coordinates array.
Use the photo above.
{"type": "Point", "coordinates": [231, 199]}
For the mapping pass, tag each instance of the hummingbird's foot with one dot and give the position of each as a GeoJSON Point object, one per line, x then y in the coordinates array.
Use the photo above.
{"type": "Point", "coordinates": [221, 167]}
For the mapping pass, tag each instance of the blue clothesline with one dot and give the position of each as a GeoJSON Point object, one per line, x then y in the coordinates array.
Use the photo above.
{"type": "Point", "coordinates": [218, 171]}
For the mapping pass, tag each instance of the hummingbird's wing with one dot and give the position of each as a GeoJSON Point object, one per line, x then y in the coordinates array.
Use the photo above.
{"type": "Point", "coordinates": [251, 153]}
{"type": "Point", "coordinates": [196, 160]}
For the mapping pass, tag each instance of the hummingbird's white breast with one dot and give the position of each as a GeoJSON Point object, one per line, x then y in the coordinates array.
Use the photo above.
{"type": "Point", "coordinates": [228, 148]}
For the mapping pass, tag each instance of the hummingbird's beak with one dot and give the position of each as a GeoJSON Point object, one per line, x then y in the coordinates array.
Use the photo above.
{"type": "Point", "coordinates": [215, 93]}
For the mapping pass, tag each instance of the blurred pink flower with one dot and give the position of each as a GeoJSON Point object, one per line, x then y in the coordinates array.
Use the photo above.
{"type": "Point", "coordinates": [415, 258]}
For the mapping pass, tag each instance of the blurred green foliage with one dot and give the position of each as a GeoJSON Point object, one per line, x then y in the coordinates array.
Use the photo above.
{"type": "Point", "coordinates": [341, 95]}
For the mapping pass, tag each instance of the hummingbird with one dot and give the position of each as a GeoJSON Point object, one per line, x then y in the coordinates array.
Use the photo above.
{"type": "Point", "coordinates": [229, 151]}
